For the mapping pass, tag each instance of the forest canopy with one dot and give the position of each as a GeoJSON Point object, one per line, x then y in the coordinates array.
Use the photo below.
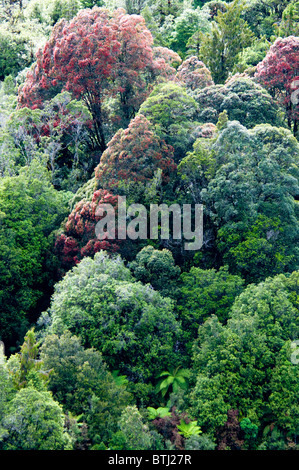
{"type": "Point", "coordinates": [112, 342]}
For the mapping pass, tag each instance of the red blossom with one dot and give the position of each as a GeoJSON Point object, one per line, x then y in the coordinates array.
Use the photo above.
{"type": "Point", "coordinates": [97, 55]}
{"type": "Point", "coordinates": [79, 238]}
{"type": "Point", "coordinates": [134, 154]}
{"type": "Point", "coordinates": [278, 72]}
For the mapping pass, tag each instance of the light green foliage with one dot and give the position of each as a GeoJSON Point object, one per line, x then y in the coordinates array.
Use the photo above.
{"type": "Point", "coordinates": [173, 380]}
{"type": "Point", "coordinates": [231, 369]}
{"type": "Point", "coordinates": [197, 168]}
{"type": "Point", "coordinates": [7, 392]}
{"type": "Point", "coordinates": [160, 18]}
{"type": "Point", "coordinates": [130, 323]}
{"type": "Point", "coordinates": [9, 154]}
{"type": "Point", "coordinates": [157, 107]}
{"type": "Point", "coordinates": [35, 421]}
{"type": "Point", "coordinates": [56, 134]}
{"type": "Point", "coordinates": [250, 56]}
{"type": "Point", "coordinates": [250, 431]}
{"type": "Point", "coordinates": [190, 429]}
{"type": "Point", "coordinates": [153, 26]}
{"type": "Point", "coordinates": [229, 35]}
{"type": "Point", "coordinates": [160, 412]}
{"type": "Point", "coordinates": [134, 433]}
{"type": "Point", "coordinates": [85, 192]}
{"type": "Point", "coordinates": [272, 303]}
{"type": "Point", "coordinates": [91, 3]}
{"type": "Point", "coordinates": [50, 12]}
{"type": "Point", "coordinates": [289, 25]}
{"type": "Point", "coordinates": [171, 110]}
{"type": "Point", "coordinates": [20, 38]}
{"type": "Point", "coordinates": [119, 379]}
{"type": "Point", "coordinates": [21, 128]}
{"type": "Point", "coordinates": [12, 52]}
{"type": "Point", "coordinates": [185, 25]}
{"type": "Point", "coordinates": [133, 7]}
{"type": "Point", "coordinates": [201, 442]}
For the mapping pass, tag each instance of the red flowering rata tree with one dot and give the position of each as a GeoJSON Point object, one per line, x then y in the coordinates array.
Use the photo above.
{"type": "Point", "coordinates": [194, 74]}
{"type": "Point", "coordinates": [279, 73]}
{"type": "Point", "coordinates": [79, 238]}
{"type": "Point", "coordinates": [97, 55]}
{"type": "Point", "coordinates": [133, 155]}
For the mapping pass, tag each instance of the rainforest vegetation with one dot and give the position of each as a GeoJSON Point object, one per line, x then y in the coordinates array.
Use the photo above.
{"type": "Point", "coordinates": [141, 344]}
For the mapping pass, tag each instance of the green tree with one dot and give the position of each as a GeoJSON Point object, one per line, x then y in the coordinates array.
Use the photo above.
{"type": "Point", "coordinates": [250, 431]}
{"type": "Point", "coordinates": [197, 168]}
{"type": "Point", "coordinates": [13, 54]}
{"type": "Point", "coordinates": [229, 35]}
{"type": "Point", "coordinates": [250, 56]}
{"type": "Point", "coordinates": [7, 392]}
{"type": "Point", "coordinates": [201, 442]}
{"type": "Point", "coordinates": [26, 365]}
{"type": "Point", "coordinates": [58, 135]}
{"type": "Point", "coordinates": [156, 267]}
{"type": "Point", "coordinates": [274, 439]}
{"type": "Point", "coordinates": [263, 17]}
{"type": "Point", "coordinates": [277, 297]}
{"type": "Point", "coordinates": [203, 293]}
{"type": "Point", "coordinates": [243, 100]}
{"type": "Point", "coordinates": [30, 210]}
{"type": "Point", "coordinates": [171, 381]}
{"type": "Point", "coordinates": [81, 382]}
{"type": "Point", "coordinates": [133, 434]}
{"type": "Point", "coordinates": [239, 364]}
{"type": "Point", "coordinates": [185, 25]}
{"type": "Point", "coordinates": [289, 23]}
{"type": "Point", "coordinates": [258, 247]}
{"type": "Point", "coordinates": [250, 210]}
{"type": "Point", "coordinates": [171, 110]}
{"type": "Point", "coordinates": [91, 3]}
{"type": "Point", "coordinates": [35, 421]}
{"type": "Point", "coordinates": [130, 323]}
{"type": "Point", "coordinates": [20, 38]}
{"type": "Point", "coordinates": [50, 12]}
{"type": "Point", "coordinates": [68, 9]}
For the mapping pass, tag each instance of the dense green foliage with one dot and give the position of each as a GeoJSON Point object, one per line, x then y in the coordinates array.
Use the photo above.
{"type": "Point", "coordinates": [131, 324]}
{"type": "Point", "coordinates": [31, 209]}
{"type": "Point", "coordinates": [137, 343]}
